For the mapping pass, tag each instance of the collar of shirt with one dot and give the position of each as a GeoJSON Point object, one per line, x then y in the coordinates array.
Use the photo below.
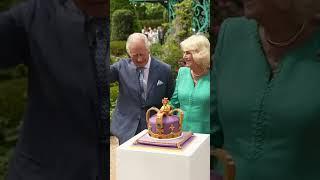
{"type": "Point", "coordinates": [145, 69]}
{"type": "Point", "coordinates": [147, 66]}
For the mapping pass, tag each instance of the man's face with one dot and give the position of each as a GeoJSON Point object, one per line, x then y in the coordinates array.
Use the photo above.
{"type": "Point", "coordinates": [97, 8]}
{"type": "Point", "coordinates": [139, 54]}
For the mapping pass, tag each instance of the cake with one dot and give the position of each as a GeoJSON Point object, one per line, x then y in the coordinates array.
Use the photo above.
{"type": "Point", "coordinates": [164, 124]}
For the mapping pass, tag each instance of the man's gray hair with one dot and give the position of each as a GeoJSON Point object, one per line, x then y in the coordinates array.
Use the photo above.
{"type": "Point", "coordinates": [137, 37]}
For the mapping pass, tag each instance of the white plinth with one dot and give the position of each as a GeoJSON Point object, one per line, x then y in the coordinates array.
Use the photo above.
{"type": "Point", "coordinates": [140, 162]}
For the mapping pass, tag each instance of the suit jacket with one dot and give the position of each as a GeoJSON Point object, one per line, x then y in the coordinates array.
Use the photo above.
{"type": "Point", "coordinates": [59, 139]}
{"type": "Point", "coordinates": [161, 34]}
{"type": "Point", "coordinates": [130, 109]}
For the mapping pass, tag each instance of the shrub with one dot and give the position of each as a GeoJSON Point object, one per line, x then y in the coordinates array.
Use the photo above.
{"type": "Point", "coordinates": [12, 103]}
{"type": "Point", "coordinates": [165, 16]}
{"type": "Point", "coordinates": [6, 74]}
{"type": "Point", "coordinates": [169, 53]}
{"type": "Point", "coordinates": [180, 28]}
{"type": "Point", "coordinates": [118, 48]}
{"type": "Point", "coordinates": [122, 24]}
{"type": "Point", "coordinates": [114, 91]}
{"type": "Point", "coordinates": [172, 54]}
{"type": "Point", "coordinates": [182, 24]}
{"type": "Point", "coordinates": [20, 71]}
{"type": "Point", "coordinates": [113, 59]}
{"type": "Point", "coordinates": [154, 10]}
{"type": "Point", "coordinates": [156, 50]}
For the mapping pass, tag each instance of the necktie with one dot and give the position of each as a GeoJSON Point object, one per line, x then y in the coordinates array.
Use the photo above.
{"type": "Point", "coordinates": [141, 83]}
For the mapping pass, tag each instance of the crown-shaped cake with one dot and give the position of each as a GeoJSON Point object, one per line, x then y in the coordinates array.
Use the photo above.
{"type": "Point", "coordinates": [164, 124]}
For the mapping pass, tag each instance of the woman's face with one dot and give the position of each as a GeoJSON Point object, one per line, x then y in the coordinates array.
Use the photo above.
{"type": "Point", "coordinates": [187, 57]}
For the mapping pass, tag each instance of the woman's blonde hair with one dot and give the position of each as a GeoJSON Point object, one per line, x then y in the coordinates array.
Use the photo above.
{"type": "Point", "coordinates": [199, 46]}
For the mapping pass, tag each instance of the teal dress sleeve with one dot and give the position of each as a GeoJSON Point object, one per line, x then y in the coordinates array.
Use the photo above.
{"type": "Point", "coordinates": [174, 101]}
{"type": "Point", "coordinates": [216, 128]}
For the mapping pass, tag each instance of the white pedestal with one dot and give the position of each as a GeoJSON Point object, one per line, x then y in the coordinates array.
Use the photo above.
{"type": "Point", "coordinates": [140, 162]}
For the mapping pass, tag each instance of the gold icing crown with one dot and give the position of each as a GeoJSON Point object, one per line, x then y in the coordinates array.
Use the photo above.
{"type": "Point", "coordinates": [162, 128]}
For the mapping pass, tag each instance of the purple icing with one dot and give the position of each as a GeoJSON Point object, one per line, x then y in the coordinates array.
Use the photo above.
{"type": "Point", "coordinates": [170, 123]}
{"type": "Point", "coordinates": [185, 139]}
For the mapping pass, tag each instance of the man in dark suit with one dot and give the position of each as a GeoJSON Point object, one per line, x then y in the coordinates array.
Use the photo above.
{"type": "Point", "coordinates": [143, 82]}
{"type": "Point", "coordinates": [161, 35]}
{"type": "Point", "coordinates": [64, 44]}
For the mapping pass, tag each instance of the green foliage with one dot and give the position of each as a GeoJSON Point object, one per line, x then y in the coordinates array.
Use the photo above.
{"type": "Point", "coordinates": [12, 103]}
{"type": "Point", "coordinates": [165, 16]}
{"type": "Point", "coordinates": [169, 53]}
{"type": "Point", "coordinates": [140, 11]}
{"type": "Point", "coordinates": [118, 48]}
{"type": "Point", "coordinates": [113, 59]}
{"type": "Point", "coordinates": [172, 54]}
{"type": "Point", "coordinates": [114, 91]}
{"type": "Point", "coordinates": [153, 23]}
{"type": "Point", "coordinates": [5, 154]}
{"type": "Point", "coordinates": [6, 74]}
{"type": "Point", "coordinates": [5, 4]}
{"type": "Point", "coordinates": [156, 50]}
{"type": "Point", "coordinates": [122, 24]}
{"type": "Point", "coordinates": [180, 29]}
{"type": "Point", "coordinates": [117, 58]}
{"type": "Point", "coordinates": [19, 71]}
{"type": "Point", "coordinates": [154, 10]}
{"type": "Point", "coordinates": [182, 24]}
{"type": "Point", "coordinates": [119, 4]}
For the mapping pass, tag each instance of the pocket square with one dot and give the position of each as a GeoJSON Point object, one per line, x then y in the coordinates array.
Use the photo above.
{"type": "Point", "coordinates": [159, 83]}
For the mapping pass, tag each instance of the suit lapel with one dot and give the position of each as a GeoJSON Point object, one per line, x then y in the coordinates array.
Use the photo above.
{"type": "Point", "coordinates": [133, 76]}
{"type": "Point", "coordinates": [152, 78]}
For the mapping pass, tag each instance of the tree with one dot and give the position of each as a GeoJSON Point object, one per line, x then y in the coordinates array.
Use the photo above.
{"type": "Point", "coordinates": [122, 24]}
{"type": "Point", "coordinates": [5, 4]}
{"type": "Point", "coordinates": [119, 4]}
{"type": "Point", "coordinates": [154, 11]}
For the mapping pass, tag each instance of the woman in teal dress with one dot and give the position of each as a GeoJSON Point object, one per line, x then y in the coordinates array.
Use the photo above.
{"type": "Point", "coordinates": [266, 91]}
{"type": "Point", "coordinates": [192, 90]}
